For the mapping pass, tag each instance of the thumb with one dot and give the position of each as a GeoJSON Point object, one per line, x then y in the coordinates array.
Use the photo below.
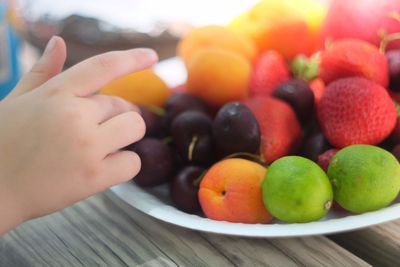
{"type": "Point", "coordinates": [50, 64]}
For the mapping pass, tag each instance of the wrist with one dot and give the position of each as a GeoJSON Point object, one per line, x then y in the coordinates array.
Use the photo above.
{"type": "Point", "coordinates": [10, 210]}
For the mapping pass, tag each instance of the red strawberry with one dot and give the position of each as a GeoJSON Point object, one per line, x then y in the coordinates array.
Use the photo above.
{"type": "Point", "coordinates": [269, 71]}
{"type": "Point", "coordinates": [325, 158]}
{"type": "Point", "coordinates": [351, 57]}
{"type": "Point", "coordinates": [356, 111]}
{"type": "Point", "coordinates": [318, 87]}
{"type": "Point", "coordinates": [280, 129]}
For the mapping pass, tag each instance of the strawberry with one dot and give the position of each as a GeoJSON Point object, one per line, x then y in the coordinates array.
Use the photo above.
{"type": "Point", "coordinates": [317, 87]}
{"type": "Point", "coordinates": [351, 57]}
{"type": "Point", "coordinates": [269, 71]}
{"type": "Point", "coordinates": [325, 158]}
{"type": "Point", "coordinates": [356, 111]}
{"type": "Point", "coordinates": [280, 129]}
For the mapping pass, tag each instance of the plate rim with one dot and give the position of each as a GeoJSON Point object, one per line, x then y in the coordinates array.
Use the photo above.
{"type": "Point", "coordinates": [152, 206]}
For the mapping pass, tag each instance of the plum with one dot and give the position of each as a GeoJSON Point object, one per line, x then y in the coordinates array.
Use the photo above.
{"type": "Point", "coordinates": [184, 189]}
{"type": "Point", "coordinates": [181, 102]}
{"type": "Point", "coordinates": [299, 96]}
{"type": "Point", "coordinates": [191, 133]}
{"type": "Point", "coordinates": [157, 162]}
{"type": "Point", "coordinates": [235, 129]}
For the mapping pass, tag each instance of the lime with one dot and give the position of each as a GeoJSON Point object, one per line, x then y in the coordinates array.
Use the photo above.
{"type": "Point", "coordinates": [295, 189]}
{"type": "Point", "coordinates": [364, 178]}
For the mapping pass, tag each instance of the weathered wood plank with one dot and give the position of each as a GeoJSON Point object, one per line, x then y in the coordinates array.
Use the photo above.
{"type": "Point", "coordinates": [104, 231]}
{"type": "Point", "coordinates": [184, 247]}
{"type": "Point", "coordinates": [98, 233]}
{"type": "Point", "coordinates": [78, 236]}
{"type": "Point", "coordinates": [310, 251]}
{"type": "Point", "coordinates": [379, 245]}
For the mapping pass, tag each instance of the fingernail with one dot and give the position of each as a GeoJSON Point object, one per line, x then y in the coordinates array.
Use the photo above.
{"type": "Point", "coordinates": [150, 53]}
{"type": "Point", "coordinates": [136, 109]}
{"type": "Point", "coordinates": [50, 46]}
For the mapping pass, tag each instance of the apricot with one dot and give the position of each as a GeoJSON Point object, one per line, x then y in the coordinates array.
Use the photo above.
{"type": "Point", "coordinates": [215, 36]}
{"type": "Point", "coordinates": [218, 76]}
{"type": "Point", "coordinates": [142, 88]}
{"type": "Point", "coordinates": [231, 191]}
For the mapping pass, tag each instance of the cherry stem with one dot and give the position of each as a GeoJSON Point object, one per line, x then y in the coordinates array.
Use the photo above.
{"type": "Point", "coordinates": [394, 15]}
{"type": "Point", "coordinates": [156, 110]}
{"type": "Point", "coordinates": [198, 180]}
{"type": "Point", "coordinates": [255, 157]}
{"type": "Point", "coordinates": [191, 147]}
{"type": "Point", "coordinates": [386, 39]}
{"type": "Point", "coordinates": [167, 140]}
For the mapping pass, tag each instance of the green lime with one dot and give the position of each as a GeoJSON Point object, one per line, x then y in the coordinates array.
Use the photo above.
{"type": "Point", "coordinates": [296, 190]}
{"type": "Point", "coordinates": [364, 178]}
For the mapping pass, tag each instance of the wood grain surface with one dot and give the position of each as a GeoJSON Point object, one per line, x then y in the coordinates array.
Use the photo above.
{"type": "Point", "coordinates": [379, 245]}
{"type": "Point", "coordinates": [104, 231]}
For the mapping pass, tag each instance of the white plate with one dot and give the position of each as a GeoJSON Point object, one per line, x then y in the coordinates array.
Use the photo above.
{"type": "Point", "coordinates": [156, 202]}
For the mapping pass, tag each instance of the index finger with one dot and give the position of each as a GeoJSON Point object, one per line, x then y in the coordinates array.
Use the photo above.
{"type": "Point", "coordinates": [90, 75]}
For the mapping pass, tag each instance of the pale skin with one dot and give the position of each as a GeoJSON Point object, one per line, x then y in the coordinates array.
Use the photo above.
{"type": "Point", "coordinates": [59, 141]}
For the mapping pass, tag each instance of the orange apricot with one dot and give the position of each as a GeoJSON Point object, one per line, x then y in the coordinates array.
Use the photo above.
{"type": "Point", "coordinates": [215, 36]}
{"type": "Point", "coordinates": [142, 88]}
{"type": "Point", "coordinates": [218, 76]}
{"type": "Point", "coordinates": [231, 191]}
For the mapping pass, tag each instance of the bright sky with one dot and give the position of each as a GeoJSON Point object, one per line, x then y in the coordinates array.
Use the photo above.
{"type": "Point", "coordinates": [141, 14]}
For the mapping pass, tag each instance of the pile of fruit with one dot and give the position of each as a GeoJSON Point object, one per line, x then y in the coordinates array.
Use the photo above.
{"type": "Point", "coordinates": [289, 111]}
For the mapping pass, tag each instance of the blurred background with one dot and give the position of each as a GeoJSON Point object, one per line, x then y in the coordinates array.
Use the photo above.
{"type": "Point", "coordinates": [93, 27]}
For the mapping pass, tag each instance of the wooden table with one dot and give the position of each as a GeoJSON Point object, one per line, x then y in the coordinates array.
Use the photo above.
{"type": "Point", "coordinates": [104, 231]}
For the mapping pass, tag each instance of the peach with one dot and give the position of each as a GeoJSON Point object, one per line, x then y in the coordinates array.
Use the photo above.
{"type": "Point", "coordinates": [142, 88]}
{"type": "Point", "coordinates": [215, 36]}
{"type": "Point", "coordinates": [218, 76]}
{"type": "Point", "coordinates": [290, 27]}
{"type": "Point", "coordinates": [231, 191]}
{"type": "Point", "coordinates": [362, 20]}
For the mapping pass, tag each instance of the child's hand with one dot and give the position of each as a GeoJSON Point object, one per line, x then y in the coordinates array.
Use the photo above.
{"type": "Point", "coordinates": [58, 140]}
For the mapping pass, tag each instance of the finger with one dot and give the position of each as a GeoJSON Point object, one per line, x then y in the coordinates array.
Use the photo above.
{"type": "Point", "coordinates": [107, 107]}
{"type": "Point", "coordinates": [50, 64]}
{"type": "Point", "coordinates": [122, 130]}
{"type": "Point", "coordinates": [90, 75]}
{"type": "Point", "coordinates": [120, 167]}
